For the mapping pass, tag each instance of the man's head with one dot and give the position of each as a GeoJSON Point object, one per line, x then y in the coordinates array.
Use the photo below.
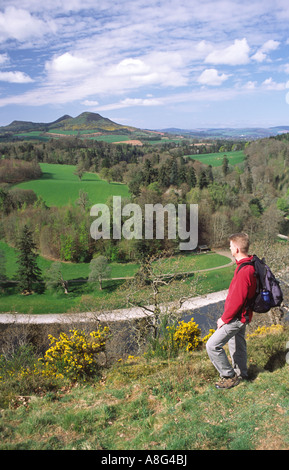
{"type": "Point", "coordinates": [239, 245]}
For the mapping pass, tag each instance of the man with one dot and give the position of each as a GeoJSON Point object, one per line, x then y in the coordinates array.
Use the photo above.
{"type": "Point", "coordinates": [237, 314]}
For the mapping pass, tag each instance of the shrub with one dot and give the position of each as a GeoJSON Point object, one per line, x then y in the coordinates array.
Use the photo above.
{"type": "Point", "coordinates": [208, 336]}
{"type": "Point", "coordinates": [188, 335]}
{"type": "Point", "coordinates": [21, 375]}
{"type": "Point", "coordinates": [266, 330]}
{"type": "Point", "coordinates": [75, 355]}
{"type": "Point", "coordinates": [171, 338]}
{"type": "Point", "coordinates": [162, 344]}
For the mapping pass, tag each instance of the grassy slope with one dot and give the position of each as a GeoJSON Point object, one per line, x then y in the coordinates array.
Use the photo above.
{"type": "Point", "coordinates": [58, 186]}
{"type": "Point", "coordinates": [160, 405]}
{"type": "Point", "coordinates": [216, 159]}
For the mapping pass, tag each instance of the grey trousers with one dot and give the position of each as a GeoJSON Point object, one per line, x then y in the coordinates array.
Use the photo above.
{"type": "Point", "coordinates": [232, 333]}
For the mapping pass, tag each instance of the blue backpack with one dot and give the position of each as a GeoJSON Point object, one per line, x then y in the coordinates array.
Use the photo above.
{"type": "Point", "coordinates": [268, 292]}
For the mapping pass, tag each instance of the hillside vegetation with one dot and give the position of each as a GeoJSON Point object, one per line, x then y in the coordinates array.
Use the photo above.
{"type": "Point", "coordinates": [155, 404]}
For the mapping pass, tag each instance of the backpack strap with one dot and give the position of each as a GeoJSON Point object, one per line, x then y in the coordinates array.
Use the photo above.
{"type": "Point", "coordinates": [250, 302]}
{"type": "Point", "coordinates": [249, 263]}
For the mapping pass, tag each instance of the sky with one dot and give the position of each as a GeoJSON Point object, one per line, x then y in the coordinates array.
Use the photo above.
{"type": "Point", "coordinates": [151, 64]}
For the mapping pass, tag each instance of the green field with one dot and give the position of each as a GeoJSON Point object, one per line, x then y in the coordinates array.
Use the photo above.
{"type": "Point", "coordinates": [58, 186]}
{"type": "Point", "coordinates": [48, 302]}
{"type": "Point", "coordinates": [69, 270]}
{"type": "Point", "coordinates": [181, 263]}
{"type": "Point", "coordinates": [33, 135]}
{"type": "Point", "coordinates": [216, 159]}
{"type": "Point", "coordinates": [58, 133]}
{"type": "Point", "coordinates": [110, 138]}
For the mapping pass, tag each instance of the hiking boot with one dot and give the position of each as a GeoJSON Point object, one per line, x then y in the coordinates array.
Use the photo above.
{"type": "Point", "coordinates": [228, 382]}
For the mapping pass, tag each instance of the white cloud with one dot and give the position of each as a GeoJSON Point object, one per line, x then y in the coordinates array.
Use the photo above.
{"type": "Point", "coordinates": [269, 84]}
{"type": "Point", "coordinates": [4, 59]}
{"type": "Point", "coordinates": [90, 103]}
{"type": "Point", "coordinates": [269, 46]}
{"type": "Point", "coordinates": [131, 102]}
{"type": "Point", "coordinates": [15, 77]}
{"type": "Point", "coordinates": [19, 24]}
{"type": "Point", "coordinates": [130, 67]}
{"type": "Point", "coordinates": [211, 77]}
{"type": "Point", "coordinates": [68, 64]}
{"type": "Point", "coordinates": [236, 54]}
{"type": "Point", "coordinates": [250, 85]}
{"type": "Point", "coordinates": [259, 56]}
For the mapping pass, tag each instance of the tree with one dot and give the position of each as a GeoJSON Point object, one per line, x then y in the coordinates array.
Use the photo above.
{"type": "Point", "coordinates": [3, 276]}
{"type": "Point", "coordinates": [156, 289]}
{"type": "Point", "coordinates": [28, 272]}
{"type": "Point", "coordinates": [54, 278]}
{"type": "Point", "coordinates": [80, 169]}
{"type": "Point", "coordinates": [225, 166]}
{"type": "Point", "coordinates": [174, 173]}
{"type": "Point", "coordinates": [99, 270]}
{"type": "Point", "coordinates": [83, 200]}
{"type": "Point", "coordinates": [203, 182]}
{"type": "Point", "coordinates": [191, 177]}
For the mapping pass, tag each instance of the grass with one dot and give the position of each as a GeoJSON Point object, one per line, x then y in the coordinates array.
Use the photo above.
{"type": "Point", "coordinates": [48, 302]}
{"type": "Point", "coordinates": [58, 186]}
{"type": "Point", "coordinates": [33, 135]}
{"type": "Point", "coordinates": [83, 296]}
{"type": "Point", "coordinates": [70, 270]}
{"type": "Point", "coordinates": [216, 159]}
{"type": "Point", "coordinates": [164, 405]}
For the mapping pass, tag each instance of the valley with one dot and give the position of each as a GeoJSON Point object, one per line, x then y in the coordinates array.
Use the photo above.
{"type": "Point", "coordinates": [87, 160]}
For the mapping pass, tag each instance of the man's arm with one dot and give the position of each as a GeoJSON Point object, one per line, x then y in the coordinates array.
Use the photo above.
{"type": "Point", "coordinates": [238, 294]}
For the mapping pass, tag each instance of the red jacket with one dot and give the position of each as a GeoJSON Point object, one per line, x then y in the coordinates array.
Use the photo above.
{"type": "Point", "coordinates": [242, 287]}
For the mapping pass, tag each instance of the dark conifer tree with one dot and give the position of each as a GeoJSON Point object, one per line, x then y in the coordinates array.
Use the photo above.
{"type": "Point", "coordinates": [28, 271]}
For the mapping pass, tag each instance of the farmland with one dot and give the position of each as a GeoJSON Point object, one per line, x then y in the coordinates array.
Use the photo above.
{"type": "Point", "coordinates": [59, 186]}
{"type": "Point", "coordinates": [216, 159]}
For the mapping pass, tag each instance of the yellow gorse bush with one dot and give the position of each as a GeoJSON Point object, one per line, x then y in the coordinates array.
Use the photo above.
{"type": "Point", "coordinates": [188, 335]}
{"type": "Point", "coordinates": [74, 355]}
{"type": "Point", "coordinates": [266, 330]}
{"type": "Point", "coordinates": [208, 336]}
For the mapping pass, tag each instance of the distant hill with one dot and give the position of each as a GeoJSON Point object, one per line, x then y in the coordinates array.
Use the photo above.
{"type": "Point", "coordinates": [229, 133]}
{"type": "Point", "coordinates": [85, 121]}
{"type": "Point", "coordinates": [95, 122]}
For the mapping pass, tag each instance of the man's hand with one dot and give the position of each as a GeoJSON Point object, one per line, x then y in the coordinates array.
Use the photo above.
{"type": "Point", "coordinates": [220, 323]}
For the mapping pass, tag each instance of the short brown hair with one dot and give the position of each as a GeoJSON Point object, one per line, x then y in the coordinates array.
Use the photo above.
{"type": "Point", "coordinates": [242, 240]}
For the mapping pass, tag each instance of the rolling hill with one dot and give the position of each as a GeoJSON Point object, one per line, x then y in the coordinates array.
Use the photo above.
{"type": "Point", "coordinates": [85, 121]}
{"type": "Point", "coordinates": [246, 133]}
{"type": "Point", "coordinates": [92, 123]}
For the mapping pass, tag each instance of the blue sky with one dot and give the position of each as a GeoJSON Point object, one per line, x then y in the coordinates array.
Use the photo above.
{"type": "Point", "coordinates": [151, 64]}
